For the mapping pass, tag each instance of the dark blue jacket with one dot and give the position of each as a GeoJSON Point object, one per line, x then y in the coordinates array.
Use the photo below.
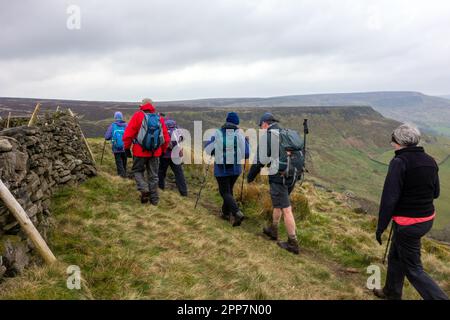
{"type": "Point", "coordinates": [225, 170]}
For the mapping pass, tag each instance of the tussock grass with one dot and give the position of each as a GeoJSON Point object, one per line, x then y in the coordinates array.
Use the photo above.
{"type": "Point", "coordinates": [129, 251]}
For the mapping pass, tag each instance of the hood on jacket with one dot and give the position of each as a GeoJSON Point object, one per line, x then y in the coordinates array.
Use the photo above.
{"type": "Point", "coordinates": [118, 115]}
{"type": "Point", "coordinates": [147, 107]}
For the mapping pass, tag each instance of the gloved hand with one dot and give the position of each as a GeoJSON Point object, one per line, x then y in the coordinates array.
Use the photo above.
{"type": "Point", "coordinates": [378, 237]}
{"type": "Point", "coordinates": [128, 153]}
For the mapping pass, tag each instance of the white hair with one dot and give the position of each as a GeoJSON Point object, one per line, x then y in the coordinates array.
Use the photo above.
{"type": "Point", "coordinates": [406, 135]}
{"type": "Point", "coordinates": [147, 100]}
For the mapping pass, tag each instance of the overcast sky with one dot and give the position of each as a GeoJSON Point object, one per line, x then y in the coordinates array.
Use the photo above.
{"type": "Point", "coordinates": [169, 50]}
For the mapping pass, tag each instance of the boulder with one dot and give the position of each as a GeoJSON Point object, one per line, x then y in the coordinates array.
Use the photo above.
{"type": "Point", "coordinates": [5, 145]}
{"type": "Point", "coordinates": [15, 254]}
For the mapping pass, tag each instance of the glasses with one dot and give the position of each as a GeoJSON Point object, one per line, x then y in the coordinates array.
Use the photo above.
{"type": "Point", "coordinates": [393, 140]}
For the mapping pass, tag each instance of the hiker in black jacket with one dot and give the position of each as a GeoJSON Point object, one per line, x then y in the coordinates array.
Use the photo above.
{"type": "Point", "coordinates": [280, 189]}
{"type": "Point", "coordinates": [411, 185]}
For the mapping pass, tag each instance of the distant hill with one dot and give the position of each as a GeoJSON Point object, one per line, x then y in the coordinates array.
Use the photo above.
{"type": "Point", "coordinates": [394, 99]}
{"type": "Point", "coordinates": [430, 113]}
{"type": "Point", "coordinates": [447, 96]}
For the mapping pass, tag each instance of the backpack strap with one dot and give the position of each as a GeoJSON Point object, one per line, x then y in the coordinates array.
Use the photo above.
{"type": "Point", "coordinates": [235, 149]}
{"type": "Point", "coordinates": [224, 147]}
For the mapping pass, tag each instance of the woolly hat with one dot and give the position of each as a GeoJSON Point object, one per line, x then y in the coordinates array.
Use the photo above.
{"type": "Point", "coordinates": [233, 118]}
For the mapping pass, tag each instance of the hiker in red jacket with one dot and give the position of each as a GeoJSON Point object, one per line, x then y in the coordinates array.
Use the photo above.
{"type": "Point", "coordinates": [150, 140]}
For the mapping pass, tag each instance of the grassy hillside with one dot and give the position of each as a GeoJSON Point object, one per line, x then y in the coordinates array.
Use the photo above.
{"type": "Point", "coordinates": [342, 144]}
{"type": "Point", "coordinates": [348, 147]}
{"type": "Point", "coordinates": [129, 251]}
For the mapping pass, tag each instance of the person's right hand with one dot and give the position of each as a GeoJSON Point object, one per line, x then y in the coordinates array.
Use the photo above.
{"type": "Point", "coordinates": [378, 237]}
{"type": "Point", "coordinates": [128, 153]}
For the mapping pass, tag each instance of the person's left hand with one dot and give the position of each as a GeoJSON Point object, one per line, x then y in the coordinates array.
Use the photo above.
{"type": "Point", "coordinates": [378, 237]}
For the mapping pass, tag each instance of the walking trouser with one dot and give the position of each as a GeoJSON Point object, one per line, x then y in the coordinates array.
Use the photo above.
{"type": "Point", "coordinates": [164, 164]}
{"type": "Point", "coordinates": [145, 172]}
{"type": "Point", "coordinates": [121, 163]}
{"type": "Point", "coordinates": [226, 185]}
{"type": "Point", "coordinates": [404, 261]}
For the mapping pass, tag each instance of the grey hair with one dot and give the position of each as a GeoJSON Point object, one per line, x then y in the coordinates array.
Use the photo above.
{"type": "Point", "coordinates": [406, 135]}
{"type": "Point", "coordinates": [147, 100]}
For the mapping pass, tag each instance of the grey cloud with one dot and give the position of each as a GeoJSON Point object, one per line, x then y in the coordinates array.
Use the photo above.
{"type": "Point", "coordinates": [370, 45]}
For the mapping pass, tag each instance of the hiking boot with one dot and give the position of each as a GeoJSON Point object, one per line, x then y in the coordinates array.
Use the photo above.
{"type": "Point", "coordinates": [145, 197]}
{"type": "Point", "coordinates": [291, 245]}
{"type": "Point", "coordinates": [236, 219]}
{"type": "Point", "coordinates": [271, 232]}
{"type": "Point", "coordinates": [225, 216]}
{"type": "Point", "coordinates": [380, 293]}
{"type": "Point", "coordinates": [154, 202]}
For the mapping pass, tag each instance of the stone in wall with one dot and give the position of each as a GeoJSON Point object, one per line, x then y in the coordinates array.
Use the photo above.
{"type": "Point", "coordinates": [34, 162]}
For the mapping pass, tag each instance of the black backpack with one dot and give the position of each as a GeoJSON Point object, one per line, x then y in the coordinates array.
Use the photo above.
{"type": "Point", "coordinates": [292, 159]}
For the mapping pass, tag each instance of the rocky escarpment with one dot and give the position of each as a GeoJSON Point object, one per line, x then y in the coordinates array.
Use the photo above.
{"type": "Point", "coordinates": [34, 162]}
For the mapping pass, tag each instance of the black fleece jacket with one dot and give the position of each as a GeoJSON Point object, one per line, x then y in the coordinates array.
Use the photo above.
{"type": "Point", "coordinates": [411, 185]}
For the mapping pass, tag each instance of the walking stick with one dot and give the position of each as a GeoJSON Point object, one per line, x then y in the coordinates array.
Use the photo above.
{"type": "Point", "coordinates": [26, 224]}
{"type": "Point", "coordinates": [243, 179]}
{"type": "Point", "coordinates": [305, 133]}
{"type": "Point", "coordinates": [203, 183]}
{"type": "Point", "coordinates": [103, 152]}
{"type": "Point", "coordinates": [387, 245]}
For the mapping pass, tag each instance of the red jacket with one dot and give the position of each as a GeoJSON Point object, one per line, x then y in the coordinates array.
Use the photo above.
{"type": "Point", "coordinates": [131, 132]}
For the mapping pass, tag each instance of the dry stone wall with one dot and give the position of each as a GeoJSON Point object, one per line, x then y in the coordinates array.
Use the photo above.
{"type": "Point", "coordinates": [34, 162]}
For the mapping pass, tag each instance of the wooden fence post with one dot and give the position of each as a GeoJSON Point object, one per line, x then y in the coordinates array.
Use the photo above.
{"type": "Point", "coordinates": [26, 224]}
{"type": "Point", "coordinates": [9, 119]}
{"type": "Point", "coordinates": [34, 115]}
{"type": "Point", "coordinates": [84, 138]}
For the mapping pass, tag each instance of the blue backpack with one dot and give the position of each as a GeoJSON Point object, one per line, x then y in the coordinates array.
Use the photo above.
{"type": "Point", "coordinates": [150, 136]}
{"type": "Point", "coordinates": [227, 147]}
{"type": "Point", "coordinates": [117, 138]}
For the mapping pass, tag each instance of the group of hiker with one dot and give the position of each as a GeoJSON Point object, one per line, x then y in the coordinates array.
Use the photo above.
{"type": "Point", "coordinates": [151, 150]}
{"type": "Point", "coordinates": [412, 182]}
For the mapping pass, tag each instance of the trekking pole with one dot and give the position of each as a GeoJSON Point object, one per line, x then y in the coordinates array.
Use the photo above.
{"type": "Point", "coordinates": [243, 179]}
{"type": "Point", "coordinates": [103, 152]}
{"type": "Point", "coordinates": [203, 183]}
{"type": "Point", "coordinates": [305, 133]}
{"type": "Point", "coordinates": [387, 245]}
